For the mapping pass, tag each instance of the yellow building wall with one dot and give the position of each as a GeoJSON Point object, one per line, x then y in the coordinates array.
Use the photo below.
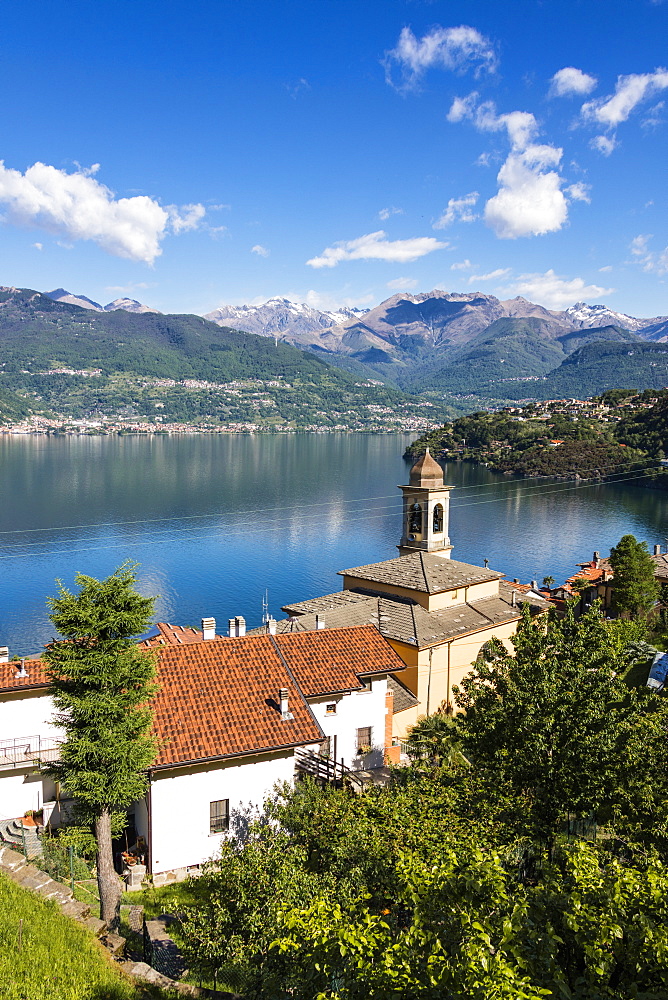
{"type": "Point", "coordinates": [449, 598]}
{"type": "Point", "coordinates": [432, 602]}
{"type": "Point", "coordinates": [435, 670]}
{"type": "Point", "coordinates": [350, 582]}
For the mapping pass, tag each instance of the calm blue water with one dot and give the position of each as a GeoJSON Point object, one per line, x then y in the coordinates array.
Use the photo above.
{"type": "Point", "coordinates": [214, 520]}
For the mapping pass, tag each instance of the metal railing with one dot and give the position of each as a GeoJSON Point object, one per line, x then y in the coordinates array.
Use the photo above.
{"type": "Point", "coordinates": [29, 749]}
{"type": "Point", "coordinates": [325, 768]}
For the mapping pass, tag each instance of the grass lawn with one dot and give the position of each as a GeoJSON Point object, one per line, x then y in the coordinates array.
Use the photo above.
{"type": "Point", "coordinates": [47, 956]}
{"type": "Point", "coordinates": [162, 900]}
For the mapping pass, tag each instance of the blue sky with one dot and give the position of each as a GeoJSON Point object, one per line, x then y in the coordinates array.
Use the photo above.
{"type": "Point", "coordinates": [193, 154]}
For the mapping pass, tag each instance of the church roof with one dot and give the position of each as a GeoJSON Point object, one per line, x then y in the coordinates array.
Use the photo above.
{"type": "Point", "coordinates": [405, 621]}
{"type": "Point", "coordinates": [423, 572]}
{"type": "Point", "coordinates": [426, 472]}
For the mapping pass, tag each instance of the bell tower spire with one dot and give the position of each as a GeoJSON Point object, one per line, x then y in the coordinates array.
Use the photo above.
{"type": "Point", "coordinates": [426, 512]}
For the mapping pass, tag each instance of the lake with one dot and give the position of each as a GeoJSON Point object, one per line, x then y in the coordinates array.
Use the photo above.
{"type": "Point", "coordinates": [215, 520]}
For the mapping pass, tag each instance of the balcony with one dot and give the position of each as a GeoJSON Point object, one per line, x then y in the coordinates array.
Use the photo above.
{"type": "Point", "coordinates": [22, 750]}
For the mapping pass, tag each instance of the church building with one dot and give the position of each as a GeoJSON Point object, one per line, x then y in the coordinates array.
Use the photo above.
{"type": "Point", "coordinates": [436, 612]}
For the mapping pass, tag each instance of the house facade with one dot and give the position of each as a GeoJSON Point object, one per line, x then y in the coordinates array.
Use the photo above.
{"type": "Point", "coordinates": [231, 716]}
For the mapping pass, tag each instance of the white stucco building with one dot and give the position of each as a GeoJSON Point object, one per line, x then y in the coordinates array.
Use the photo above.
{"type": "Point", "coordinates": [234, 717]}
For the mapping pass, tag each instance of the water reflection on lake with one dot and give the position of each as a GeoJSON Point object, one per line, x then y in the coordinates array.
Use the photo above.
{"type": "Point", "coordinates": [214, 520]}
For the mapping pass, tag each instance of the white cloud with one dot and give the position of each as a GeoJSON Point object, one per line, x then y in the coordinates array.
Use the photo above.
{"type": "Point", "coordinates": [604, 144]}
{"type": "Point", "coordinates": [38, 246]}
{"type": "Point", "coordinates": [457, 49]}
{"type": "Point", "coordinates": [385, 213]}
{"type": "Point", "coordinates": [521, 126]}
{"type": "Point", "coordinates": [500, 272]}
{"type": "Point", "coordinates": [295, 89]}
{"type": "Point", "coordinates": [530, 201]}
{"type": "Point", "coordinates": [183, 219]}
{"type": "Point", "coordinates": [553, 291]}
{"type": "Point", "coordinates": [463, 107]}
{"type": "Point", "coordinates": [133, 286]}
{"type": "Point", "coordinates": [605, 269]}
{"type": "Point", "coordinates": [331, 301]}
{"type": "Point", "coordinates": [578, 192]}
{"type": "Point", "coordinates": [629, 92]}
{"type": "Point", "coordinates": [652, 261]}
{"type": "Point", "coordinates": [78, 207]}
{"type": "Point", "coordinates": [462, 265]}
{"type": "Point", "coordinates": [458, 210]}
{"type": "Point", "coordinates": [260, 250]}
{"type": "Point", "coordinates": [376, 246]}
{"type": "Point", "coordinates": [569, 81]}
{"type": "Point", "coordinates": [653, 117]}
{"type": "Point", "coordinates": [638, 245]}
{"type": "Point", "coordinates": [400, 284]}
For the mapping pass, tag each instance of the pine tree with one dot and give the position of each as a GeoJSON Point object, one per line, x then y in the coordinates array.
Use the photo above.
{"type": "Point", "coordinates": [635, 590]}
{"type": "Point", "coordinates": [101, 683]}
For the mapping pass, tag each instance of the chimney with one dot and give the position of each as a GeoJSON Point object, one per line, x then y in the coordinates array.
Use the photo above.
{"type": "Point", "coordinates": [516, 580]}
{"type": "Point", "coordinates": [286, 714]}
{"type": "Point", "coordinates": [4, 654]}
{"type": "Point", "coordinates": [597, 560]}
{"type": "Point", "coordinates": [241, 625]}
{"type": "Point", "coordinates": [271, 626]}
{"type": "Point", "coordinates": [513, 599]}
{"type": "Point", "coordinates": [319, 621]}
{"type": "Point", "coordinates": [534, 585]}
{"type": "Point", "coordinates": [208, 628]}
{"type": "Point", "coordinates": [22, 672]}
{"type": "Point", "coordinates": [657, 550]}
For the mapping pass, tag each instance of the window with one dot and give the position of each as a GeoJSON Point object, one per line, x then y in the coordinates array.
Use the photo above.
{"type": "Point", "coordinates": [363, 737]}
{"type": "Point", "coordinates": [219, 816]}
{"type": "Point", "coordinates": [438, 518]}
{"type": "Point", "coordinates": [415, 519]}
{"type": "Point", "coordinates": [331, 709]}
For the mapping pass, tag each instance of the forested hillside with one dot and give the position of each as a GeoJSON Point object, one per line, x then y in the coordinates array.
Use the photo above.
{"type": "Point", "coordinates": [616, 434]}
{"type": "Point", "coordinates": [63, 360]}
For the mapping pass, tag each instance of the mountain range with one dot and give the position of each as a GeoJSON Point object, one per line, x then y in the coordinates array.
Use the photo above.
{"type": "Point", "coordinates": [455, 343]}
{"type": "Point", "coordinates": [82, 362]}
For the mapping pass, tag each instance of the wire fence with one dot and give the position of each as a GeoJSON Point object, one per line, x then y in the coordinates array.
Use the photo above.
{"type": "Point", "coordinates": [60, 860]}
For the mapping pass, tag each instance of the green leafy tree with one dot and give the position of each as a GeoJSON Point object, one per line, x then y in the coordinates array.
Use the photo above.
{"type": "Point", "coordinates": [547, 717]}
{"type": "Point", "coordinates": [635, 590]}
{"type": "Point", "coordinates": [101, 683]}
{"type": "Point", "coordinates": [587, 927]}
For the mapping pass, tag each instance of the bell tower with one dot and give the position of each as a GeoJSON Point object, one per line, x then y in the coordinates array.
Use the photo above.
{"type": "Point", "coordinates": [426, 512]}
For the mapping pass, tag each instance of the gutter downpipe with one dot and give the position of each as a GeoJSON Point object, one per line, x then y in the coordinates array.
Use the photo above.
{"type": "Point", "coordinates": [149, 809]}
{"type": "Point", "coordinates": [429, 682]}
{"type": "Point", "coordinates": [448, 703]}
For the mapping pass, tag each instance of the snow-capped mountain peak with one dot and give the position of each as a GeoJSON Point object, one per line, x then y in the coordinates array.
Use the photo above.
{"type": "Point", "coordinates": [583, 315]}
{"type": "Point", "coordinates": [281, 317]}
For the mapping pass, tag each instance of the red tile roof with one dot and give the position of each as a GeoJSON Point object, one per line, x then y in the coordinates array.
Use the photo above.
{"type": "Point", "coordinates": [220, 697]}
{"type": "Point", "coordinates": [10, 682]}
{"type": "Point", "coordinates": [330, 660]}
{"type": "Point", "coordinates": [172, 635]}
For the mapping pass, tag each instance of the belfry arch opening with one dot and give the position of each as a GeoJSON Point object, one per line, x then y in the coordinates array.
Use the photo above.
{"type": "Point", "coordinates": [415, 519]}
{"type": "Point", "coordinates": [437, 520]}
